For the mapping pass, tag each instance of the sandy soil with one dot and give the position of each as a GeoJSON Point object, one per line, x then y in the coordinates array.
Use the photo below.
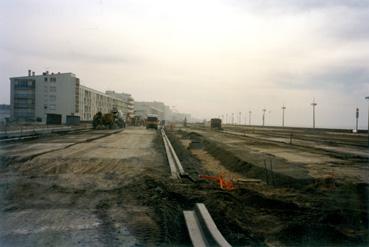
{"type": "Point", "coordinates": [307, 198]}
{"type": "Point", "coordinates": [341, 143]}
{"type": "Point", "coordinates": [107, 188]}
{"type": "Point", "coordinates": [70, 190]}
{"type": "Point", "coordinates": [291, 160]}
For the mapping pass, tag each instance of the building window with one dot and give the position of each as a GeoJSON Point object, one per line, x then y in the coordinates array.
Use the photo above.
{"type": "Point", "coordinates": [53, 79]}
{"type": "Point", "coordinates": [45, 78]}
{"type": "Point", "coordinates": [24, 84]}
{"type": "Point", "coordinates": [52, 98]}
{"type": "Point", "coordinates": [52, 89]}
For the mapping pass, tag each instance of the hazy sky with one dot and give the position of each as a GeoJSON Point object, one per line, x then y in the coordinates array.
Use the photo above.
{"type": "Point", "coordinates": [206, 58]}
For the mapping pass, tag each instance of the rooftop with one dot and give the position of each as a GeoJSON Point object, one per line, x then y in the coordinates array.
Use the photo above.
{"type": "Point", "coordinates": [46, 73]}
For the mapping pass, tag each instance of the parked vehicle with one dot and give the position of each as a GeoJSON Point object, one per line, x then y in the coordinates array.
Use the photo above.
{"type": "Point", "coordinates": [152, 121]}
{"type": "Point", "coordinates": [216, 123]}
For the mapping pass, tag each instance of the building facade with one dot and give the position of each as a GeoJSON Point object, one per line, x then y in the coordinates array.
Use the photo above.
{"type": "Point", "coordinates": [93, 101]}
{"type": "Point", "coordinates": [162, 110]}
{"type": "Point", "coordinates": [4, 113]}
{"type": "Point", "coordinates": [56, 97]}
{"type": "Point", "coordinates": [42, 97]}
{"type": "Point", "coordinates": [128, 110]}
{"type": "Point", "coordinates": [142, 109]}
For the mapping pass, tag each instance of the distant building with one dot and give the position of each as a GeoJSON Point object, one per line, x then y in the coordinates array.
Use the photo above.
{"type": "Point", "coordinates": [159, 108]}
{"type": "Point", "coordinates": [92, 101]}
{"type": "Point", "coordinates": [55, 98]}
{"type": "Point", "coordinates": [142, 109]}
{"type": "Point", "coordinates": [4, 113]}
{"type": "Point", "coordinates": [127, 99]}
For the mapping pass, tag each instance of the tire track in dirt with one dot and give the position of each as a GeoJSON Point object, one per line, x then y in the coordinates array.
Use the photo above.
{"type": "Point", "coordinates": [101, 178]}
{"type": "Point", "coordinates": [69, 146]}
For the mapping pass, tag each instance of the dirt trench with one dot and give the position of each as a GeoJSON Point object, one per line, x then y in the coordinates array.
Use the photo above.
{"type": "Point", "coordinates": [298, 213]}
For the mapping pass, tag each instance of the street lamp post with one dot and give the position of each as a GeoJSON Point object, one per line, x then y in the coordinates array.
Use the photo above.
{"type": "Point", "coordinates": [314, 105]}
{"type": "Point", "coordinates": [283, 109]}
{"type": "Point", "coordinates": [264, 110]}
{"type": "Point", "coordinates": [367, 98]}
{"type": "Point", "coordinates": [357, 120]}
{"type": "Point", "coordinates": [250, 117]}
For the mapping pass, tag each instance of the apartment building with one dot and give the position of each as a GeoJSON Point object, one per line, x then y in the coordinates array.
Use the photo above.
{"type": "Point", "coordinates": [93, 101]}
{"type": "Point", "coordinates": [127, 99]}
{"type": "Point", "coordinates": [4, 113]}
{"type": "Point", "coordinates": [56, 98]}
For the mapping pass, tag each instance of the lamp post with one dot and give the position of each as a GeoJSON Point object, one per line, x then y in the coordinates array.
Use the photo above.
{"type": "Point", "coordinates": [314, 105]}
{"type": "Point", "coordinates": [283, 109]}
{"type": "Point", "coordinates": [357, 120]}
{"type": "Point", "coordinates": [264, 110]}
{"type": "Point", "coordinates": [367, 98]}
{"type": "Point", "coordinates": [239, 118]}
{"type": "Point", "coordinates": [250, 117]}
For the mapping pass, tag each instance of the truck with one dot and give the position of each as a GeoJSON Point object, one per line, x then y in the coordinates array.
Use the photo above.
{"type": "Point", "coordinates": [216, 123]}
{"type": "Point", "coordinates": [152, 121]}
{"type": "Point", "coordinates": [111, 120]}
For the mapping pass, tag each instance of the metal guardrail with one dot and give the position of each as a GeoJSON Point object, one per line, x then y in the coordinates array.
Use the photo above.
{"type": "Point", "coordinates": [175, 165]}
{"type": "Point", "coordinates": [202, 229]}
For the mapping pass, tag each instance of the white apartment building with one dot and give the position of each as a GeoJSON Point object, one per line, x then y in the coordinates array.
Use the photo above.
{"type": "Point", "coordinates": [92, 101]}
{"type": "Point", "coordinates": [127, 99]}
{"type": "Point", "coordinates": [56, 98]}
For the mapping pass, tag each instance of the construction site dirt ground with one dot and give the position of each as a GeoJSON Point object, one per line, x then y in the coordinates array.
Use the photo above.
{"type": "Point", "coordinates": [112, 188]}
{"type": "Point", "coordinates": [308, 196]}
{"type": "Point", "coordinates": [80, 189]}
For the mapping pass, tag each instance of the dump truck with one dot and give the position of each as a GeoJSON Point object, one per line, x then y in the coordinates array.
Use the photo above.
{"type": "Point", "coordinates": [113, 119]}
{"type": "Point", "coordinates": [152, 121]}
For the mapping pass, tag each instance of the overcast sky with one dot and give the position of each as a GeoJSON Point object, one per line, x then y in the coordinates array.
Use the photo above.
{"type": "Point", "coordinates": [206, 58]}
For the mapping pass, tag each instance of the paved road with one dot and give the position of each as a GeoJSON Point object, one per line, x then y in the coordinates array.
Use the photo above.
{"type": "Point", "coordinates": [71, 190]}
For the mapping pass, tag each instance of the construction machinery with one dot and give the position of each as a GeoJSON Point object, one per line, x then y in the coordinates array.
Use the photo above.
{"type": "Point", "coordinates": [152, 121]}
{"type": "Point", "coordinates": [216, 123]}
{"type": "Point", "coordinates": [111, 120]}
